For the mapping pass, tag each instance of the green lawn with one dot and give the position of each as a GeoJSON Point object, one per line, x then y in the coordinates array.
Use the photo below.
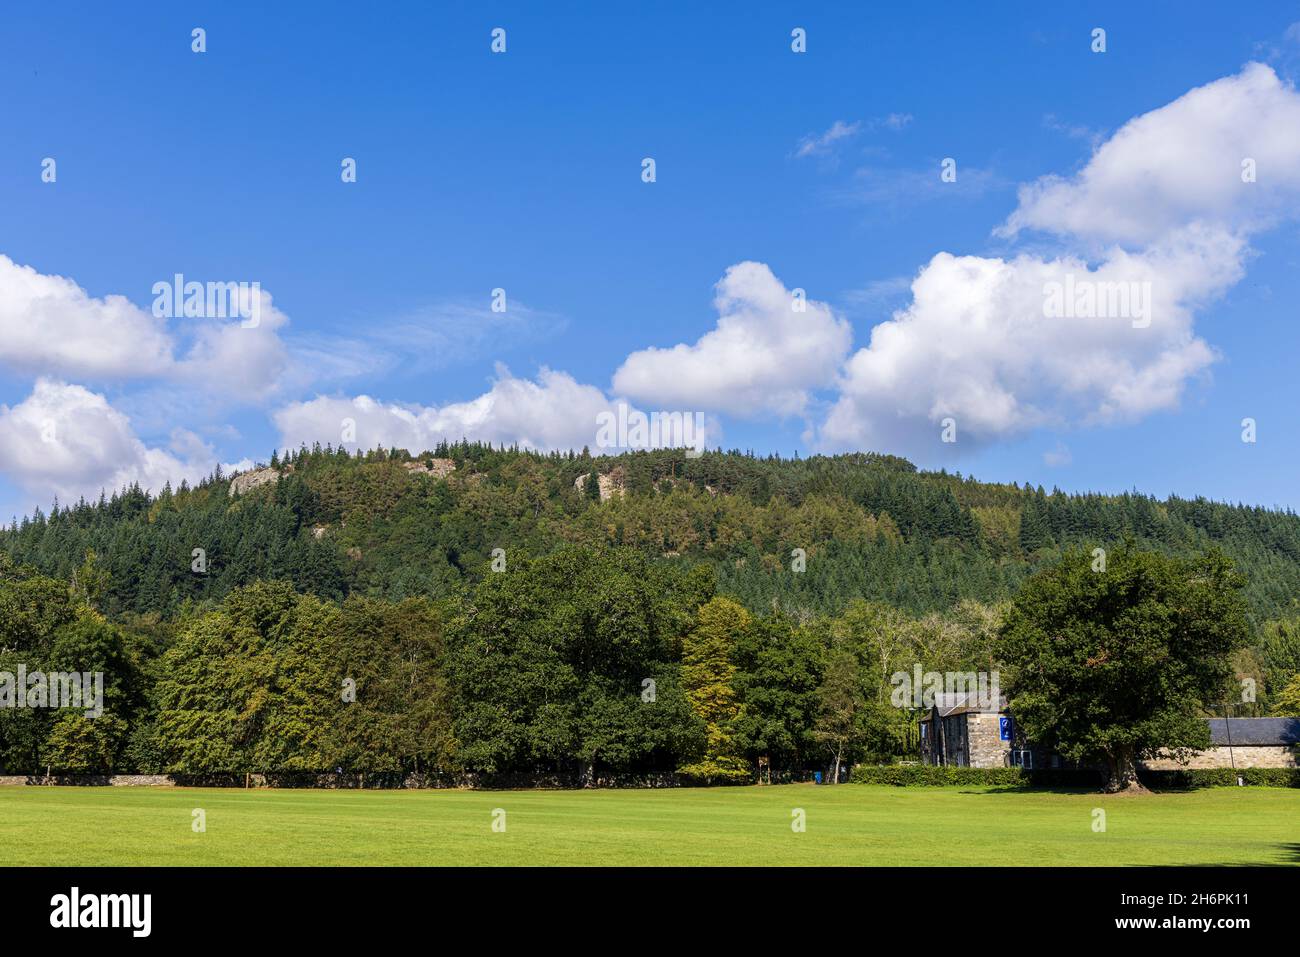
{"type": "Point", "coordinates": [848, 824]}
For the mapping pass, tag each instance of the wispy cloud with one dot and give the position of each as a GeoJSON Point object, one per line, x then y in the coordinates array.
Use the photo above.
{"type": "Point", "coordinates": [1058, 457]}
{"type": "Point", "coordinates": [1075, 131]}
{"type": "Point", "coordinates": [893, 121]}
{"type": "Point", "coordinates": [878, 294]}
{"type": "Point", "coordinates": [814, 145]}
{"type": "Point", "coordinates": [824, 144]}
{"type": "Point", "coordinates": [871, 185]}
{"type": "Point", "coordinates": [424, 340]}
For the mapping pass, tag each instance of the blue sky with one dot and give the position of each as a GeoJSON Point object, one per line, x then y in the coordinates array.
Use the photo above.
{"type": "Point", "coordinates": [522, 171]}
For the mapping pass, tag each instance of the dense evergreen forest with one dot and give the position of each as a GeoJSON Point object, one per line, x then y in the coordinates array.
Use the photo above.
{"type": "Point", "coordinates": [871, 527]}
{"type": "Point", "coordinates": [495, 610]}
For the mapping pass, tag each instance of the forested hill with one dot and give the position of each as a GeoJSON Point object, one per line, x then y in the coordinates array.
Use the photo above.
{"type": "Point", "coordinates": [387, 524]}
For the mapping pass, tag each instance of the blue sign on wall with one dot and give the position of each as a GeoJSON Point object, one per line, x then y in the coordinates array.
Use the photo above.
{"type": "Point", "coordinates": [1004, 728]}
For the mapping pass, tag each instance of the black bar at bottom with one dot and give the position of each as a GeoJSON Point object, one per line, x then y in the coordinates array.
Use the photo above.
{"type": "Point", "coordinates": [373, 905]}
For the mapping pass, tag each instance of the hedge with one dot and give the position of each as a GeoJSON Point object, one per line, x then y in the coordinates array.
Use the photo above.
{"type": "Point", "coordinates": [930, 775]}
{"type": "Point", "coordinates": [1221, 777]}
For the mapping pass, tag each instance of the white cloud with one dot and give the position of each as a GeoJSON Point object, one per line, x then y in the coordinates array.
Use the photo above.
{"type": "Point", "coordinates": [244, 362]}
{"type": "Point", "coordinates": [1075, 131]}
{"type": "Point", "coordinates": [1178, 164]}
{"type": "Point", "coordinates": [824, 144]}
{"type": "Point", "coordinates": [64, 440]}
{"type": "Point", "coordinates": [821, 145]}
{"type": "Point", "coordinates": [428, 339]}
{"type": "Point", "coordinates": [878, 292]}
{"type": "Point", "coordinates": [763, 356]}
{"type": "Point", "coordinates": [552, 412]}
{"type": "Point", "coordinates": [49, 325]}
{"type": "Point", "coordinates": [975, 344]}
{"type": "Point", "coordinates": [893, 121]}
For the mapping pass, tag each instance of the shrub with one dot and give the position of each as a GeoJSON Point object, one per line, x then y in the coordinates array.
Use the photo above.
{"type": "Point", "coordinates": [930, 775]}
{"type": "Point", "coordinates": [1192, 778]}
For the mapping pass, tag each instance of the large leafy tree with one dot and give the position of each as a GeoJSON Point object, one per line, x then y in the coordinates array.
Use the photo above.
{"type": "Point", "coordinates": [844, 710]}
{"type": "Point", "coordinates": [549, 662]}
{"type": "Point", "coordinates": [779, 667]}
{"type": "Point", "coordinates": [47, 626]}
{"type": "Point", "coordinates": [255, 686]}
{"type": "Point", "coordinates": [397, 713]}
{"type": "Point", "coordinates": [79, 743]}
{"type": "Point", "coordinates": [1110, 659]}
{"type": "Point", "coordinates": [709, 677]}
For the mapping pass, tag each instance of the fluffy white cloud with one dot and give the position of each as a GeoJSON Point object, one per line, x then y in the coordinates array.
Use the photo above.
{"type": "Point", "coordinates": [553, 412]}
{"type": "Point", "coordinates": [49, 325]}
{"type": "Point", "coordinates": [1178, 164]}
{"type": "Point", "coordinates": [1166, 193]}
{"type": "Point", "coordinates": [763, 356]}
{"type": "Point", "coordinates": [245, 362]}
{"type": "Point", "coordinates": [977, 344]}
{"type": "Point", "coordinates": [66, 441]}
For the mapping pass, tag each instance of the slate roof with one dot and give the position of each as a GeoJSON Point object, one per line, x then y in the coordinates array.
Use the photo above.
{"type": "Point", "coordinates": [1247, 732]}
{"type": "Point", "coordinates": [950, 703]}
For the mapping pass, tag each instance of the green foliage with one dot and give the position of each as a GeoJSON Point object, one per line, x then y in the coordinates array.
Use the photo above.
{"type": "Point", "coordinates": [1279, 653]}
{"type": "Point", "coordinates": [778, 670]}
{"type": "Point", "coordinates": [873, 528]}
{"type": "Point", "coordinates": [709, 680]}
{"type": "Point", "coordinates": [1192, 778]}
{"type": "Point", "coordinates": [397, 714]}
{"type": "Point", "coordinates": [1116, 664]}
{"type": "Point", "coordinates": [353, 567]}
{"type": "Point", "coordinates": [47, 627]}
{"type": "Point", "coordinates": [549, 660]}
{"type": "Point", "coordinates": [253, 687]}
{"type": "Point", "coordinates": [1287, 702]}
{"type": "Point", "coordinates": [932, 775]}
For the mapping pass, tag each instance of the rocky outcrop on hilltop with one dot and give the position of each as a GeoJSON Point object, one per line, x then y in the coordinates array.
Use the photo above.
{"type": "Point", "coordinates": [436, 468]}
{"type": "Point", "coordinates": [610, 485]}
{"type": "Point", "coordinates": [244, 481]}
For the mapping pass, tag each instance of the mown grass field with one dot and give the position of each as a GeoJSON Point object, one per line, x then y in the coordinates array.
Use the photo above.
{"type": "Point", "coordinates": [846, 825]}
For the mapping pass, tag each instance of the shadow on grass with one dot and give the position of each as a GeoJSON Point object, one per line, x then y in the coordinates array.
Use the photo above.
{"type": "Point", "coordinates": [1029, 789]}
{"type": "Point", "coordinates": [1290, 854]}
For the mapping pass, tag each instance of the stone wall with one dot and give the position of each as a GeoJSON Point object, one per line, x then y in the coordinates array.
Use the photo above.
{"type": "Point", "coordinates": [1243, 756]}
{"type": "Point", "coordinates": [346, 781]}
{"type": "Point", "coordinates": [987, 749]}
{"type": "Point", "coordinates": [83, 780]}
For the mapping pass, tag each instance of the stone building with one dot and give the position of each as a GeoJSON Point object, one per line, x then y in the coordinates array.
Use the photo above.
{"type": "Point", "coordinates": [958, 731]}
{"type": "Point", "coordinates": [962, 730]}
{"type": "Point", "coordinates": [1242, 743]}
